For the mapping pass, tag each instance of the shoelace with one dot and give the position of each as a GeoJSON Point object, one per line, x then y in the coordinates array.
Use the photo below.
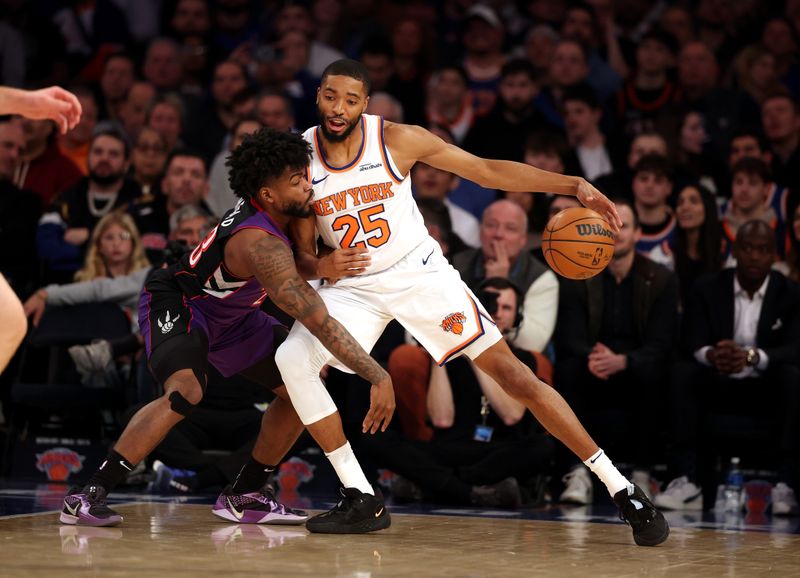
{"type": "Point", "coordinates": [274, 504]}
{"type": "Point", "coordinates": [93, 496]}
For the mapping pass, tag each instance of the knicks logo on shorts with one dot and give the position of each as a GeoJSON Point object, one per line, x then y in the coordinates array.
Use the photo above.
{"type": "Point", "coordinates": [454, 323]}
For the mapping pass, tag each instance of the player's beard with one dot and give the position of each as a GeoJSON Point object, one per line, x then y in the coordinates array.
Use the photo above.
{"type": "Point", "coordinates": [332, 137]}
{"type": "Point", "coordinates": [299, 209]}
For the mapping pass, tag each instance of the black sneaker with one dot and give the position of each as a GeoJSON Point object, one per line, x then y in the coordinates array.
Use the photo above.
{"type": "Point", "coordinates": [648, 524]}
{"type": "Point", "coordinates": [503, 494]}
{"type": "Point", "coordinates": [87, 507]}
{"type": "Point", "coordinates": [356, 513]}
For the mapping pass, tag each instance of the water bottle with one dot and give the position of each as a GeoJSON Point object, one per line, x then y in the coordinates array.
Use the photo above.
{"type": "Point", "coordinates": [734, 484]}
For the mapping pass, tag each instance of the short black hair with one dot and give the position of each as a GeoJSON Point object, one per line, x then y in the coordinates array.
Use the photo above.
{"type": "Point", "coordinates": [348, 67]}
{"type": "Point", "coordinates": [656, 164]}
{"type": "Point", "coordinates": [263, 156]}
{"type": "Point", "coordinates": [457, 68]}
{"type": "Point", "coordinates": [519, 66]}
{"type": "Point", "coordinates": [752, 166]}
{"type": "Point", "coordinates": [547, 142]}
{"type": "Point", "coordinates": [111, 129]}
{"type": "Point", "coordinates": [628, 203]}
{"type": "Point", "coordinates": [754, 133]}
{"type": "Point", "coordinates": [755, 227]}
{"type": "Point", "coordinates": [666, 39]}
{"type": "Point", "coordinates": [186, 152]}
{"type": "Point", "coordinates": [501, 283]}
{"type": "Point", "coordinates": [581, 92]}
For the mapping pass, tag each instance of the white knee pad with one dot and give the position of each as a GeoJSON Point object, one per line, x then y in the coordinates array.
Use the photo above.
{"type": "Point", "coordinates": [299, 360]}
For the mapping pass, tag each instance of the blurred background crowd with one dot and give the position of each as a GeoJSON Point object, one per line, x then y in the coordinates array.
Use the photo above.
{"type": "Point", "coordinates": [685, 351]}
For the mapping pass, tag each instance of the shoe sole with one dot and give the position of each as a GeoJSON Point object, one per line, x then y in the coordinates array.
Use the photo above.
{"type": "Point", "coordinates": [363, 527]}
{"type": "Point", "coordinates": [271, 519]}
{"type": "Point", "coordinates": [65, 518]}
{"type": "Point", "coordinates": [653, 542]}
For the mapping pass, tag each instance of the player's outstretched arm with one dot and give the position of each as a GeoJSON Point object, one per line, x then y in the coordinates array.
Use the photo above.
{"type": "Point", "coordinates": [53, 103]}
{"type": "Point", "coordinates": [409, 144]}
{"type": "Point", "coordinates": [273, 265]}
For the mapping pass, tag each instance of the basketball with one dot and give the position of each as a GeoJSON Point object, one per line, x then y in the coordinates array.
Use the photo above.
{"type": "Point", "coordinates": [577, 243]}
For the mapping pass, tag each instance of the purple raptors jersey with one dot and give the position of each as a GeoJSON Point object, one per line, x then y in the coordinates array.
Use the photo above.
{"type": "Point", "coordinates": [222, 297]}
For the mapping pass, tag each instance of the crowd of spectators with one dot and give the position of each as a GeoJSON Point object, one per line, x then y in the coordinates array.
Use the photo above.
{"type": "Point", "coordinates": [686, 112]}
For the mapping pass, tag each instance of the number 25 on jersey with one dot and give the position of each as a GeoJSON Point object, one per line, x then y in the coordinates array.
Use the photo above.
{"type": "Point", "coordinates": [367, 221]}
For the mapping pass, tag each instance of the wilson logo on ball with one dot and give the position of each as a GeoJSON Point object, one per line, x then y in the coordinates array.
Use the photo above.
{"type": "Point", "coordinates": [586, 229]}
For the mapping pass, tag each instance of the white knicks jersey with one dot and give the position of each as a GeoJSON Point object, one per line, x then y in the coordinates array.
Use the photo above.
{"type": "Point", "coordinates": [366, 203]}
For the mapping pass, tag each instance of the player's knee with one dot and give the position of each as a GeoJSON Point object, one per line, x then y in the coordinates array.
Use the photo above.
{"type": "Point", "coordinates": [180, 405]}
{"type": "Point", "coordinates": [287, 358]}
{"type": "Point", "coordinates": [184, 396]}
{"type": "Point", "coordinates": [297, 360]}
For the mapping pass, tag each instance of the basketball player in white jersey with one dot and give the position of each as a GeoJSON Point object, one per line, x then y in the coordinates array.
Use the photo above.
{"type": "Point", "coordinates": [360, 174]}
{"type": "Point", "coordinates": [63, 108]}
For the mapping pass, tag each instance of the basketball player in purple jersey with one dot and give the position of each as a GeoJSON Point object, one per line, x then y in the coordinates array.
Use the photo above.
{"type": "Point", "coordinates": [205, 309]}
{"type": "Point", "coordinates": [360, 173]}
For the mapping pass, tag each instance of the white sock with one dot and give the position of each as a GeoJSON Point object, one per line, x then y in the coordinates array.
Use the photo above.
{"type": "Point", "coordinates": [348, 469]}
{"type": "Point", "coordinates": [608, 474]}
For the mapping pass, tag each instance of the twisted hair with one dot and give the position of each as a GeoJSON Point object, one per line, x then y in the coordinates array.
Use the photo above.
{"type": "Point", "coordinates": [264, 156]}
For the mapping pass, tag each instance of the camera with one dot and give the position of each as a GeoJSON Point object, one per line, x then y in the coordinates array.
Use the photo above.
{"type": "Point", "coordinates": [173, 252]}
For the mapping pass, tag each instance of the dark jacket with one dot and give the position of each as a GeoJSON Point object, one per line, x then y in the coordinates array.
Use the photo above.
{"type": "Point", "coordinates": [655, 314]}
{"type": "Point", "coordinates": [710, 311]}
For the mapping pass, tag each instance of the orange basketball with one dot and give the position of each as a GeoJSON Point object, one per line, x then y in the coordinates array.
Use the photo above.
{"type": "Point", "coordinates": [577, 243]}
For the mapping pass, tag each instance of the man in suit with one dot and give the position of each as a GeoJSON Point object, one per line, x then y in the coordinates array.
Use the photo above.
{"type": "Point", "coordinates": [743, 334]}
{"type": "Point", "coordinates": [613, 340]}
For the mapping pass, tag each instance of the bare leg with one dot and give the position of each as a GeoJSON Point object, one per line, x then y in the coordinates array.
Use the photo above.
{"type": "Point", "coordinates": [544, 402]}
{"type": "Point", "coordinates": [280, 428]}
{"type": "Point", "coordinates": [13, 324]}
{"type": "Point", "coordinates": [151, 423]}
{"type": "Point", "coordinates": [328, 432]}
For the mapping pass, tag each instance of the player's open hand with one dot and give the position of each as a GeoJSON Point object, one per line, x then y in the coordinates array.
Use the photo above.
{"type": "Point", "coordinates": [343, 263]}
{"type": "Point", "coordinates": [52, 103]}
{"type": "Point", "coordinates": [593, 199]}
{"type": "Point", "coordinates": [381, 406]}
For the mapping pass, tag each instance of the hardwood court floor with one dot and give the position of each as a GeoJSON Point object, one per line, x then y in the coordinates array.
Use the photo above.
{"type": "Point", "coordinates": [179, 539]}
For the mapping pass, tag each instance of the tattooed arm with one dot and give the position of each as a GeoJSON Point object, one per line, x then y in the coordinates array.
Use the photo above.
{"type": "Point", "coordinates": [269, 259]}
{"type": "Point", "coordinates": [333, 264]}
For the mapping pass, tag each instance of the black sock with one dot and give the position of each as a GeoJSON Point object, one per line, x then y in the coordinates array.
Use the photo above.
{"type": "Point", "coordinates": [111, 472]}
{"type": "Point", "coordinates": [252, 477]}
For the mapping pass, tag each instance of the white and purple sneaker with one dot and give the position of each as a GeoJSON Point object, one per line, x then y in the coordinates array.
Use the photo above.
{"type": "Point", "coordinates": [259, 507]}
{"type": "Point", "coordinates": [87, 507]}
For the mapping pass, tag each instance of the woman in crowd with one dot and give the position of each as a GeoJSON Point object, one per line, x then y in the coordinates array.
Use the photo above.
{"type": "Point", "coordinates": [698, 243]}
{"type": "Point", "coordinates": [148, 158]}
{"type": "Point", "coordinates": [114, 250]}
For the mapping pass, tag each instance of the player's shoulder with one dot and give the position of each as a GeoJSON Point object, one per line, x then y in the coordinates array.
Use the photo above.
{"type": "Point", "coordinates": [308, 134]}
{"type": "Point", "coordinates": [409, 138]}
